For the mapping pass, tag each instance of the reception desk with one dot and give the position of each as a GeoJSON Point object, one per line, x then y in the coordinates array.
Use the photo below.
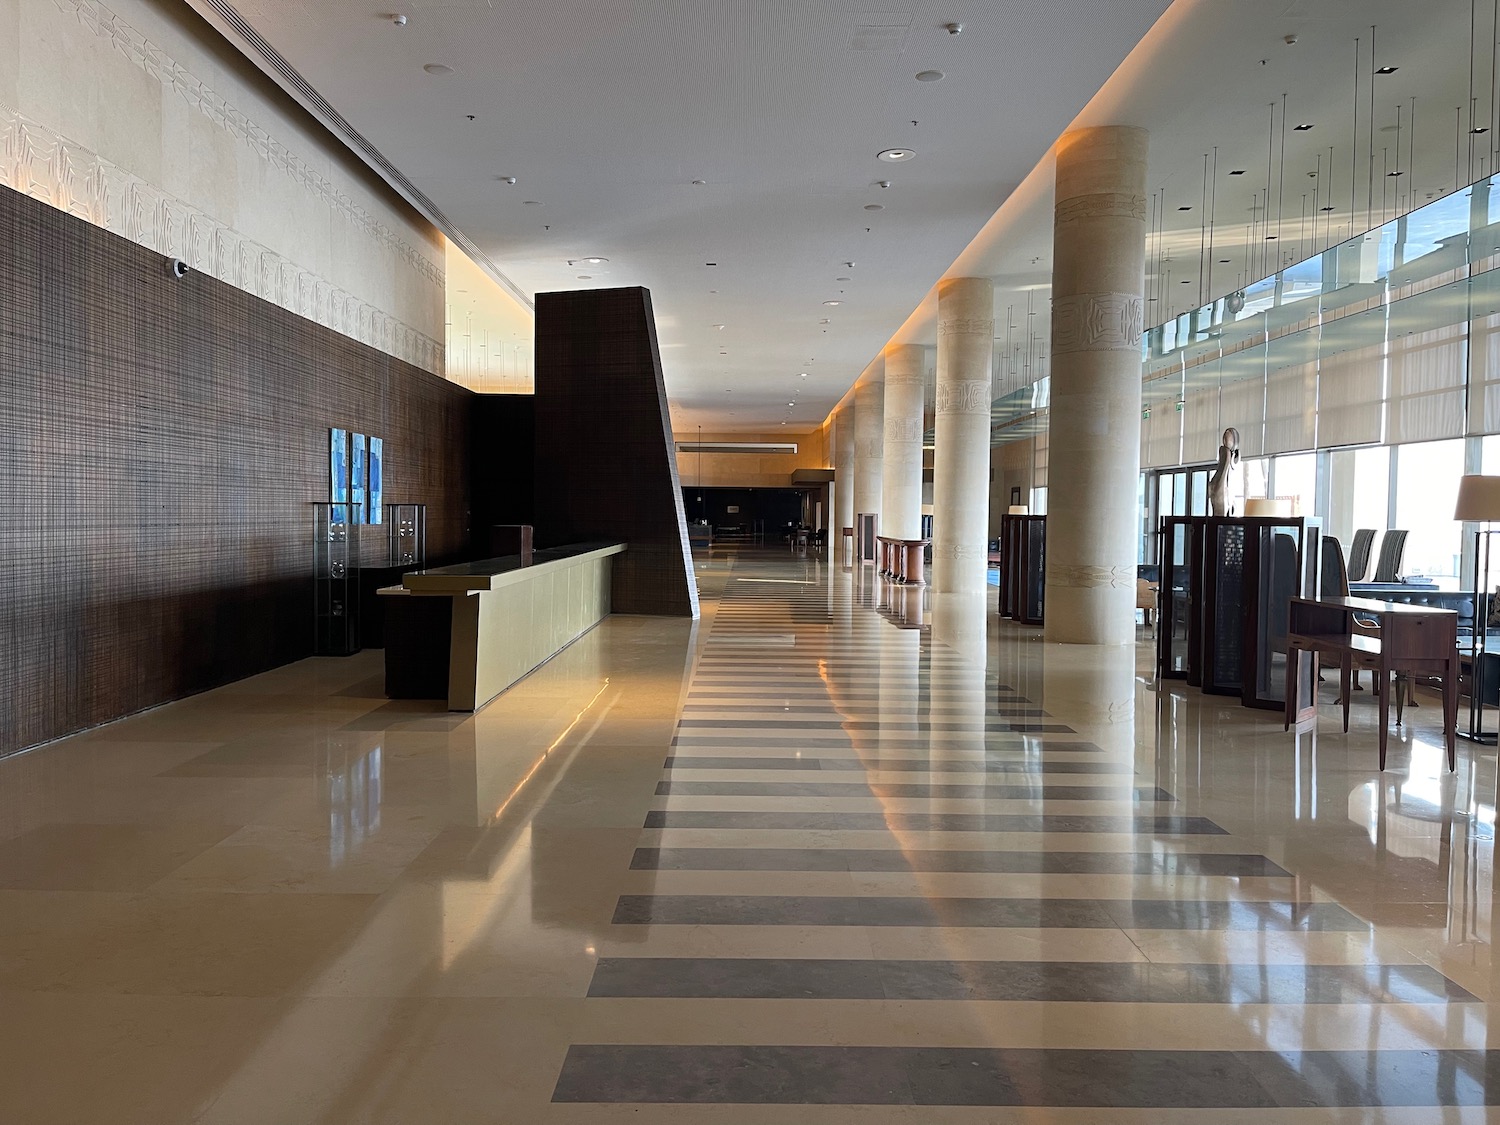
{"type": "Point", "coordinates": [469, 631]}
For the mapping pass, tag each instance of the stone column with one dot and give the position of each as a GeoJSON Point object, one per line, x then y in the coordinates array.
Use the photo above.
{"type": "Point", "coordinates": [961, 459]}
{"type": "Point", "coordinates": [843, 473]}
{"type": "Point", "coordinates": [869, 439]}
{"type": "Point", "coordinates": [901, 502]}
{"type": "Point", "coordinates": [1098, 275]}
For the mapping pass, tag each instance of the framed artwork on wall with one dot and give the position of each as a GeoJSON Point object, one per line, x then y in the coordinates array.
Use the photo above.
{"type": "Point", "coordinates": [338, 473]}
{"type": "Point", "coordinates": [377, 487]}
{"type": "Point", "coordinates": [358, 477]}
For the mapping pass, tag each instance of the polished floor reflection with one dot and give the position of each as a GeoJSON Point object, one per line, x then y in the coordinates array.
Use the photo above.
{"type": "Point", "coordinates": [840, 852]}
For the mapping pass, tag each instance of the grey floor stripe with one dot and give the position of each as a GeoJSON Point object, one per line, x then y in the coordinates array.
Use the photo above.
{"type": "Point", "coordinates": [987, 913]}
{"type": "Point", "coordinates": [1050, 981]}
{"type": "Point", "coordinates": [933, 822]}
{"type": "Point", "coordinates": [902, 765]}
{"type": "Point", "coordinates": [977, 1076]}
{"type": "Point", "coordinates": [943, 859]}
{"type": "Point", "coordinates": [997, 792]}
{"type": "Point", "coordinates": [893, 726]}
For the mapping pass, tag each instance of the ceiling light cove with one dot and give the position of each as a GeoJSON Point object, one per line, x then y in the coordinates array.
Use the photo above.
{"type": "Point", "coordinates": [895, 155]}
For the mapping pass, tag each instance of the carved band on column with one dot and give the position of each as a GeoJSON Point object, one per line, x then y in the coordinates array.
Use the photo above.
{"type": "Point", "coordinates": [903, 429]}
{"type": "Point", "coordinates": [968, 326]}
{"type": "Point", "coordinates": [969, 397]}
{"type": "Point", "coordinates": [958, 551]}
{"type": "Point", "coordinates": [1090, 577]}
{"type": "Point", "coordinates": [1103, 205]}
{"type": "Point", "coordinates": [895, 377]}
{"type": "Point", "coordinates": [1095, 322]}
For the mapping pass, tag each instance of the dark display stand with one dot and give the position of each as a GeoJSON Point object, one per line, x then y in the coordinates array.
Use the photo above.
{"type": "Point", "coordinates": [1226, 590]}
{"type": "Point", "coordinates": [1023, 567]}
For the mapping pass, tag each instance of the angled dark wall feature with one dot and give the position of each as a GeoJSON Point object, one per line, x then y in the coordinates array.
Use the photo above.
{"type": "Point", "coordinates": [605, 462]}
{"type": "Point", "coordinates": [160, 442]}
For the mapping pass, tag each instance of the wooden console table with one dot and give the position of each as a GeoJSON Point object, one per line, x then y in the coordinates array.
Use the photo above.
{"type": "Point", "coordinates": [903, 560]}
{"type": "Point", "coordinates": [1416, 640]}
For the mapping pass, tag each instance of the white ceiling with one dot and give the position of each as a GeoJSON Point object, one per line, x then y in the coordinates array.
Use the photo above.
{"type": "Point", "coordinates": [1207, 75]}
{"type": "Point", "coordinates": [606, 110]}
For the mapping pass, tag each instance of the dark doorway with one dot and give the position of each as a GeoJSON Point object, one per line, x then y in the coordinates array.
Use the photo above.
{"type": "Point", "coordinates": [766, 510]}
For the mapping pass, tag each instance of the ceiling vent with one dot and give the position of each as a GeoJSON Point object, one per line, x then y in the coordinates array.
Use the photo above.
{"type": "Point", "coordinates": [876, 32]}
{"type": "Point", "coordinates": [736, 447]}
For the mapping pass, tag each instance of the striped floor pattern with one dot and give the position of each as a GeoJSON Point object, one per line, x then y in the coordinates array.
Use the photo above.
{"type": "Point", "coordinates": [879, 875]}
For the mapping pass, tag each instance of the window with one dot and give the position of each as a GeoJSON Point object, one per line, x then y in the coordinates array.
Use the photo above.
{"type": "Point", "coordinates": [1297, 479]}
{"type": "Point", "coordinates": [1372, 487]}
{"type": "Point", "coordinates": [1427, 475]}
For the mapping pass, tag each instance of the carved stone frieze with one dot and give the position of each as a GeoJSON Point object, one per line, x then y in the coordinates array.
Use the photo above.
{"type": "Point", "coordinates": [39, 163]}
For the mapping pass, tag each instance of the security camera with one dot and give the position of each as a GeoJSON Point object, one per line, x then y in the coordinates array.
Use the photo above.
{"type": "Point", "coordinates": [953, 28]}
{"type": "Point", "coordinates": [178, 268]}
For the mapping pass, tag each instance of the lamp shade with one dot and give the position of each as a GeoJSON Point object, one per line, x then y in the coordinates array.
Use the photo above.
{"type": "Point", "coordinates": [1018, 510]}
{"type": "Point", "coordinates": [1478, 499]}
{"type": "Point", "coordinates": [1273, 506]}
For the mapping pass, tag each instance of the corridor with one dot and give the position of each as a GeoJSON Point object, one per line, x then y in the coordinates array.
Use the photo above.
{"type": "Point", "coordinates": [839, 852]}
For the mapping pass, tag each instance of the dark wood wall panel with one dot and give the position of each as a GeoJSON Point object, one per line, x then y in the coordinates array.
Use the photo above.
{"type": "Point", "coordinates": [160, 441]}
{"type": "Point", "coordinates": [606, 467]}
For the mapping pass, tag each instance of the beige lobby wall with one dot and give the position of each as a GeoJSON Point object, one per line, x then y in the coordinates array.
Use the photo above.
{"type": "Point", "coordinates": [750, 470]}
{"type": "Point", "coordinates": [137, 117]}
{"type": "Point", "coordinates": [1010, 466]}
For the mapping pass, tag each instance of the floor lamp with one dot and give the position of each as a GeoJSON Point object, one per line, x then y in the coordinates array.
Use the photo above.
{"type": "Point", "coordinates": [1479, 502]}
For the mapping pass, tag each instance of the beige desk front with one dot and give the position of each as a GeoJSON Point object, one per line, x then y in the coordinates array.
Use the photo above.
{"type": "Point", "coordinates": [507, 621]}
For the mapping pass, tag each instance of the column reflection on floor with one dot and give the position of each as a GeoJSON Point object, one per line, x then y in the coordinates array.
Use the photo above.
{"type": "Point", "coordinates": [900, 863]}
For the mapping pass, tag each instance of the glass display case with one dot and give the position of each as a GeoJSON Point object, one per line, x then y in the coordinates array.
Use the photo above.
{"type": "Point", "coordinates": [1226, 589]}
{"type": "Point", "coordinates": [1177, 632]}
{"type": "Point", "coordinates": [336, 581]}
{"type": "Point", "coordinates": [406, 535]}
{"type": "Point", "coordinates": [1023, 567]}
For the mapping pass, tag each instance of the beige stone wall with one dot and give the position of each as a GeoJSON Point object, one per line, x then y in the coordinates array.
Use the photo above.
{"type": "Point", "coordinates": [753, 470]}
{"type": "Point", "coordinates": [137, 117]}
{"type": "Point", "coordinates": [1010, 467]}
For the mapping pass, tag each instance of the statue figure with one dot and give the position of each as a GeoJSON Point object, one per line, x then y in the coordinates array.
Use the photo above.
{"type": "Point", "coordinates": [1218, 484]}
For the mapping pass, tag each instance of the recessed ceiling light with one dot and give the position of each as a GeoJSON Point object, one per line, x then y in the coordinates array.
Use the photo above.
{"type": "Point", "coordinates": [508, 180]}
{"type": "Point", "coordinates": [1187, 282]}
{"type": "Point", "coordinates": [929, 76]}
{"type": "Point", "coordinates": [802, 374]}
{"type": "Point", "coordinates": [1479, 129]}
{"type": "Point", "coordinates": [437, 68]}
{"type": "Point", "coordinates": [874, 207]}
{"type": "Point", "coordinates": [585, 277]}
{"type": "Point", "coordinates": [1270, 238]}
{"type": "Point", "coordinates": [1238, 172]}
{"type": "Point", "coordinates": [1184, 208]}
{"type": "Point", "coordinates": [1325, 208]}
{"type": "Point", "coordinates": [532, 202]}
{"type": "Point", "coordinates": [895, 155]}
{"type": "Point", "coordinates": [719, 326]}
{"type": "Point", "coordinates": [1301, 128]}
{"type": "Point", "coordinates": [791, 404]}
{"type": "Point", "coordinates": [833, 302]}
{"type": "Point", "coordinates": [1392, 175]}
{"type": "Point", "coordinates": [843, 279]}
{"type": "Point", "coordinates": [699, 183]}
{"type": "Point", "coordinates": [593, 261]}
{"type": "Point", "coordinates": [1223, 261]}
{"type": "Point", "coordinates": [1387, 69]}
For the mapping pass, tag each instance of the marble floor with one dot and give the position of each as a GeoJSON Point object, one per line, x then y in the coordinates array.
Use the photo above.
{"type": "Point", "coordinates": [839, 852]}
